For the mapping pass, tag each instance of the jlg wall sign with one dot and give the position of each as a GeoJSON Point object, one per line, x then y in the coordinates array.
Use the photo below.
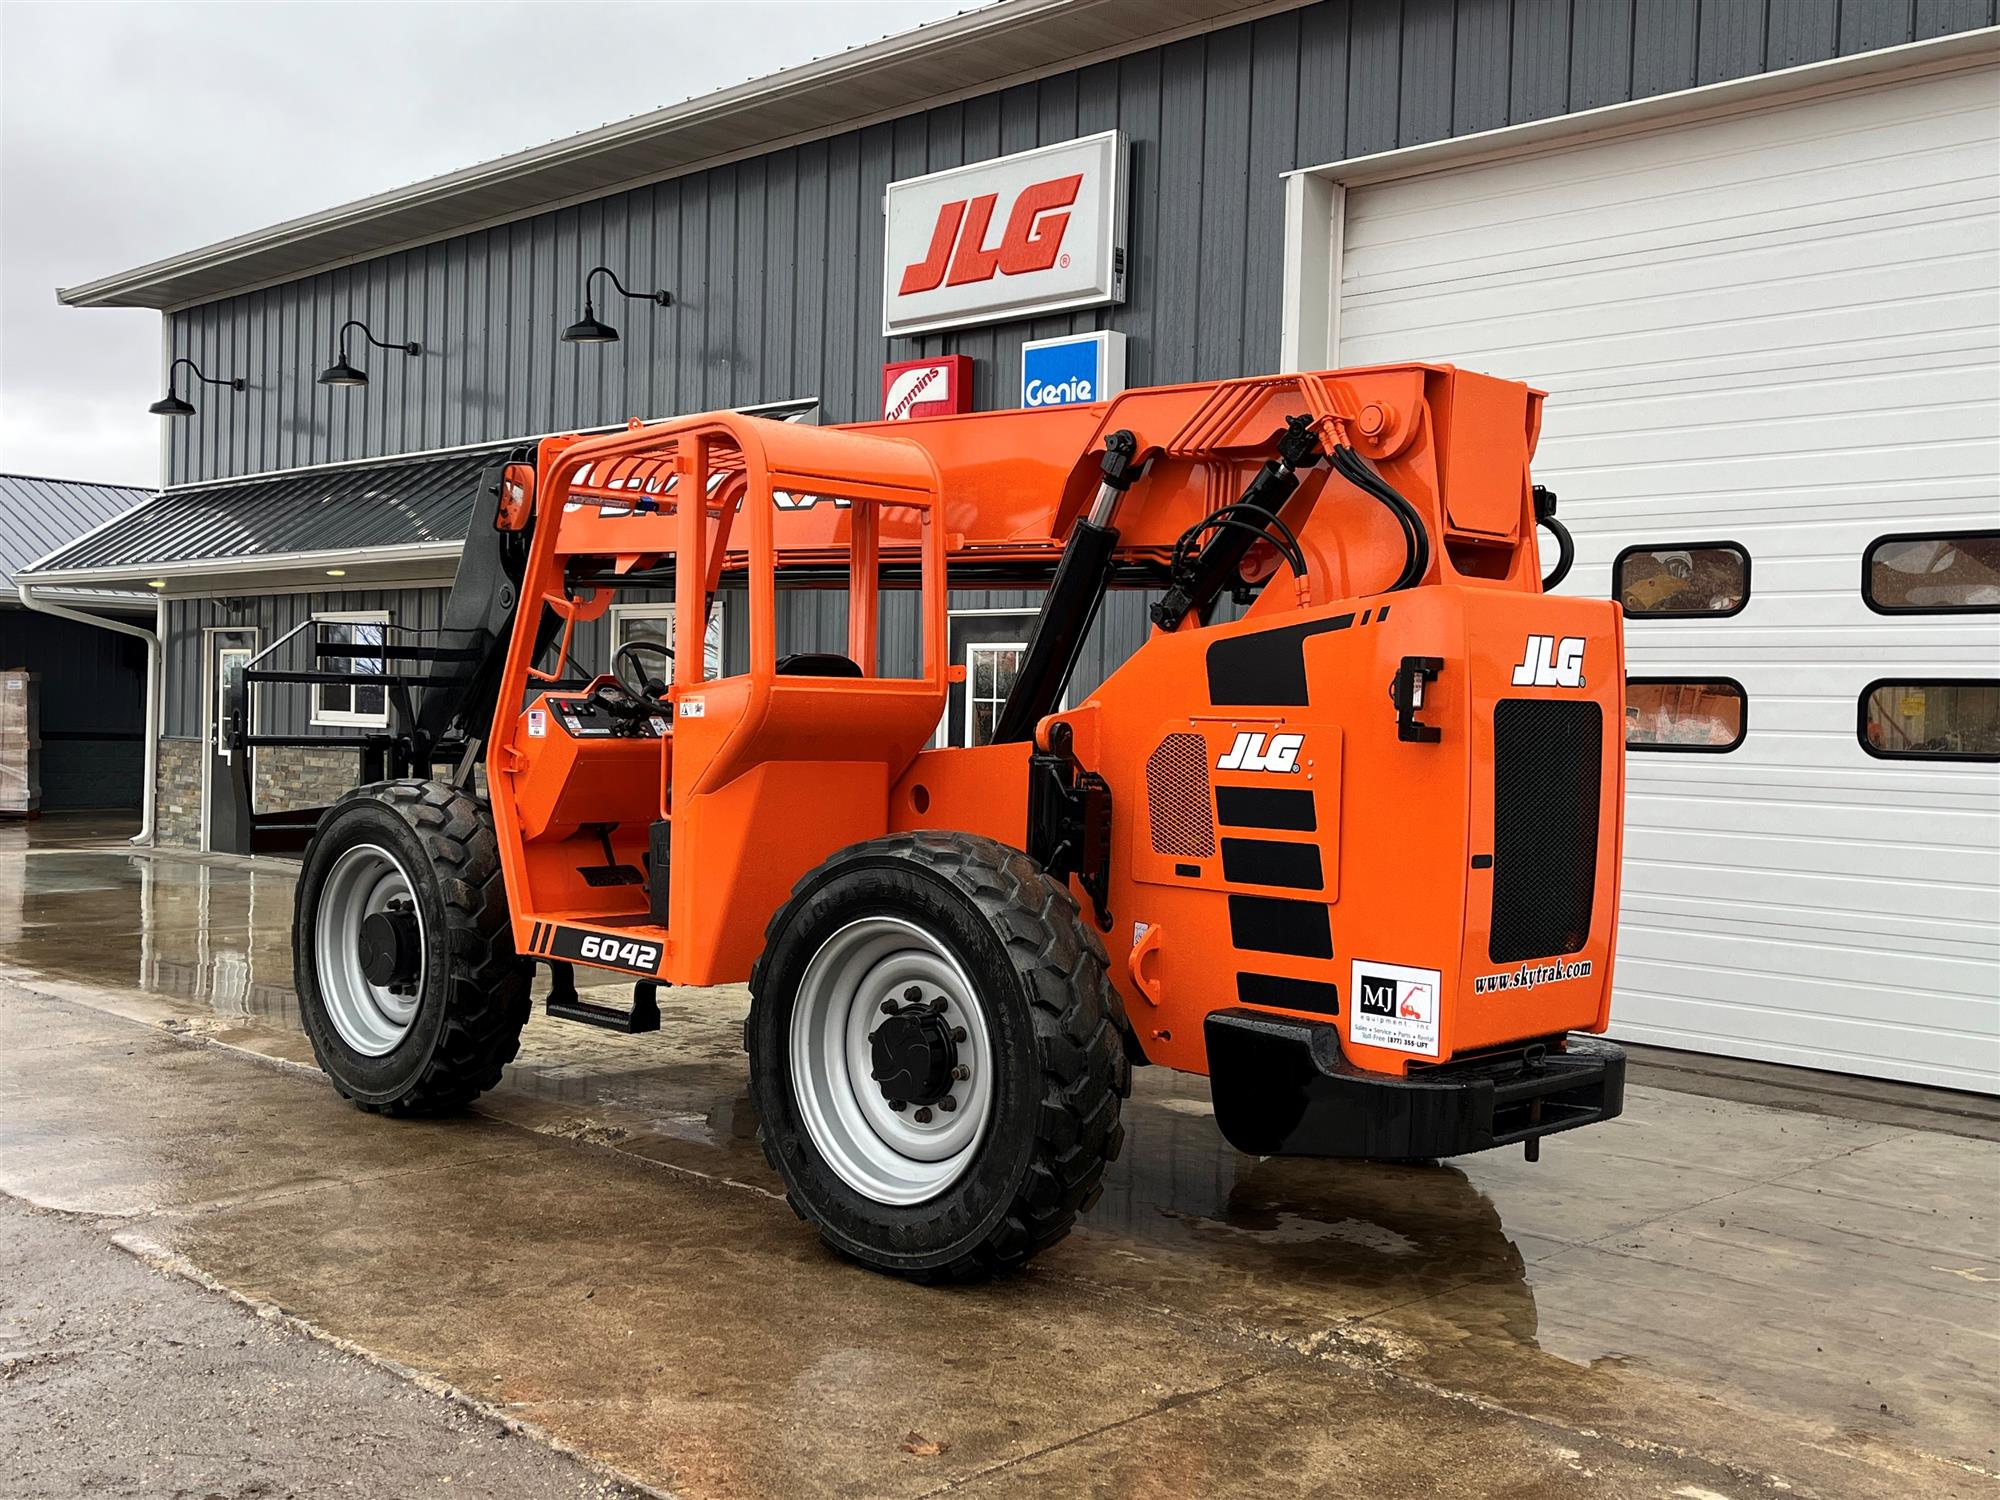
{"type": "Point", "coordinates": [1036, 232]}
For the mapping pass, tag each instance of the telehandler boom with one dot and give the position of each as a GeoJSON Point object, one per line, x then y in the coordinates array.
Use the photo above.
{"type": "Point", "coordinates": [1342, 835]}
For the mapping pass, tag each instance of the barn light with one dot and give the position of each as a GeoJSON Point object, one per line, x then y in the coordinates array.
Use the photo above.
{"type": "Point", "coordinates": [342, 372]}
{"type": "Point", "coordinates": [590, 329]}
{"type": "Point", "coordinates": [336, 572]}
{"type": "Point", "coordinates": [172, 404]}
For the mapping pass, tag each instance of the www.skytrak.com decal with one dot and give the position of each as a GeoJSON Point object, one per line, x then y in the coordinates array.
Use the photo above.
{"type": "Point", "coordinates": [1395, 1007]}
{"type": "Point", "coordinates": [1529, 975]}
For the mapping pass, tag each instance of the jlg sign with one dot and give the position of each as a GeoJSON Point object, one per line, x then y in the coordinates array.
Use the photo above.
{"type": "Point", "coordinates": [1021, 235]}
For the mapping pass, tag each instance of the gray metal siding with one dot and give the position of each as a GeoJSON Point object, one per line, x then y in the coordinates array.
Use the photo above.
{"type": "Point", "coordinates": [282, 708]}
{"type": "Point", "coordinates": [776, 260]}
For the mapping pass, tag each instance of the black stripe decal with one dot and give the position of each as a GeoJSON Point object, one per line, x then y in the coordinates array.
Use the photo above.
{"type": "Point", "coordinates": [1265, 807]}
{"type": "Point", "coordinates": [1277, 924]}
{"type": "Point", "coordinates": [1288, 994]}
{"type": "Point", "coordinates": [535, 938]}
{"type": "Point", "coordinates": [1269, 862]}
{"type": "Point", "coordinates": [1268, 666]}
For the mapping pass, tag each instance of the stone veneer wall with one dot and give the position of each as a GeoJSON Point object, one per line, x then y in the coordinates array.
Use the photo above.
{"type": "Point", "coordinates": [288, 776]}
{"type": "Point", "coordinates": [177, 784]}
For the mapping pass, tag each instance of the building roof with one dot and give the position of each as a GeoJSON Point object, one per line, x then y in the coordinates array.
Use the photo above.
{"type": "Point", "coordinates": [410, 510]}
{"type": "Point", "coordinates": [969, 53]}
{"type": "Point", "coordinates": [400, 518]}
{"type": "Point", "coordinates": [39, 515]}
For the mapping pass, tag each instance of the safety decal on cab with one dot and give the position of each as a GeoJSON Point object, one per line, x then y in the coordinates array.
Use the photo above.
{"type": "Point", "coordinates": [691, 708]}
{"type": "Point", "coordinates": [1548, 662]}
{"type": "Point", "coordinates": [1277, 753]}
{"type": "Point", "coordinates": [1395, 1006]}
{"type": "Point", "coordinates": [538, 724]}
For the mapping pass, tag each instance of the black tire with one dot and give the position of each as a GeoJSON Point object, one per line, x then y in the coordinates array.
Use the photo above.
{"type": "Point", "coordinates": [473, 1000]}
{"type": "Point", "coordinates": [1053, 1017]}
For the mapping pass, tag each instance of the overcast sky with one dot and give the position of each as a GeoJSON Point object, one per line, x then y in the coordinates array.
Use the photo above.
{"type": "Point", "coordinates": [133, 132]}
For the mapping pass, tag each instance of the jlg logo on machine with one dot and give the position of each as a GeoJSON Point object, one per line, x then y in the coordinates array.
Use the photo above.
{"type": "Point", "coordinates": [1039, 231]}
{"type": "Point", "coordinates": [1548, 662]}
{"type": "Point", "coordinates": [1256, 752]}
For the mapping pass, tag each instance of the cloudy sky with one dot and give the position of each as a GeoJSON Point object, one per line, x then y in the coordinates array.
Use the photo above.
{"type": "Point", "coordinates": [133, 132]}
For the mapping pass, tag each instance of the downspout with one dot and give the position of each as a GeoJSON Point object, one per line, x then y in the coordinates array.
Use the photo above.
{"type": "Point", "coordinates": [152, 640]}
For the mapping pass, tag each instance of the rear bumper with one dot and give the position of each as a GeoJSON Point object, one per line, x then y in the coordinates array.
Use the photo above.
{"type": "Point", "coordinates": [1281, 1088]}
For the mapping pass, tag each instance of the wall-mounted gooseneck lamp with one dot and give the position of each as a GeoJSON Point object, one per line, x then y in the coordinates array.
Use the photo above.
{"type": "Point", "coordinates": [587, 329]}
{"type": "Point", "coordinates": [171, 405]}
{"type": "Point", "coordinates": [341, 372]}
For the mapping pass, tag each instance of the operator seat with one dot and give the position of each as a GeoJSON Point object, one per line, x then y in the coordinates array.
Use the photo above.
{"type": "Point", "coordinates": [818, 664]}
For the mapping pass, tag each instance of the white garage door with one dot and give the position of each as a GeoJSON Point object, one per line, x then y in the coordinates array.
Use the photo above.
{"type": "Point", "coordinates": [1777, 328]}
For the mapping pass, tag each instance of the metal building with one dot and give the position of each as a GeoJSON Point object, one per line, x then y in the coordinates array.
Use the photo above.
{"type": "Point", "coordinates": [90, 681]}
{"type": "Point", "coordinates": [1749, 246]}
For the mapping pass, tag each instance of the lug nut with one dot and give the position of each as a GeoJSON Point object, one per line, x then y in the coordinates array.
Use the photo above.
{"type": "Point", "coordinates": [888, 1007]}
{"type": "Point", "coordinates": [924, 1115]}
{"type": "Point", "coordinates": [947, 1104]}
{"type": "Point", "coordinates": [913, 994]}
{"type": "Point", "coordinates": [958, 1033]}
{"type": "Point", "coordinates": [899, 1105]}
{"type": "Point", "coordinates": [937, 1005]}
{"type": "Point", "coordinates": [961, 1072]}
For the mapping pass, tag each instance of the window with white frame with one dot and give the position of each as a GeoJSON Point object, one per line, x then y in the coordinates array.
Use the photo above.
{"type": "Point", "coordinates": [352, 703]}
{"type": "Point", "coordinates": [655, 622]}
{"type": "Point", "coordinates": [991, 667]}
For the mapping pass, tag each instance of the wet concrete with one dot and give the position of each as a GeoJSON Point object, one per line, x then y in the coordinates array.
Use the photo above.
{"type": "Point", "coordinates": [1709, 1296]}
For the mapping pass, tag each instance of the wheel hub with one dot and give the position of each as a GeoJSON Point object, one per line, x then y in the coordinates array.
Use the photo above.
{"type": "Point", "coordinates": [391, 946]}
{"type": "Point", "coordinates": [913, 1052]}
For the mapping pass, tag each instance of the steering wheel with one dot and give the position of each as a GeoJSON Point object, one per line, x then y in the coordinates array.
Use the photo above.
{"type": "Point", "coordinates": [650, 691]}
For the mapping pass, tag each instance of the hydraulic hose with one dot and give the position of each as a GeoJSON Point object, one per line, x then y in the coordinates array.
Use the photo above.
{"type": "Point", "coordinates": [1416, 539]}
{"type": "Point", "coordinates": [1565, 553]}
{"type": "Point", "coordinates": [1545, 515]}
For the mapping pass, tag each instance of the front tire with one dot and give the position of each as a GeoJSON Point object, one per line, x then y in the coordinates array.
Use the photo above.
{"type": "Point", "coordinates": [402, 954]}
{"type": "Point", "coordinates": [960, 972]}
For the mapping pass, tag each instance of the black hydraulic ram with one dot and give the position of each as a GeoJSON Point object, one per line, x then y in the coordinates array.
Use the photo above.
{"type": "Point", "coordinates": [1072, 601]}
{"type": "Point", "coordinates": [1198, 578]}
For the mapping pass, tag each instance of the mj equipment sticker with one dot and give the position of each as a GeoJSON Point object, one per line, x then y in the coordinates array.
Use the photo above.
{"type": "Point", "coordinates": [1395, 1007]}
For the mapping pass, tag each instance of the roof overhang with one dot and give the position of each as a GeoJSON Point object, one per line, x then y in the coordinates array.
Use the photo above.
{"type": "Point", "coordinates": [973, 53]}
{"type": "Point", "coordinates": [419, 562]}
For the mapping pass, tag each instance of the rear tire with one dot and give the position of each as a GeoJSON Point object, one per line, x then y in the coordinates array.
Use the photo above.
{"type": "Point", "coordinates": [979, 935]}
{"type": "Point", "coordinates": [440, 1031]}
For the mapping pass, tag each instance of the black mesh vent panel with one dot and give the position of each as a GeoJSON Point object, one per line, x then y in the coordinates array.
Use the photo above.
{"type": "Point", "coordinates": [1547, 764]}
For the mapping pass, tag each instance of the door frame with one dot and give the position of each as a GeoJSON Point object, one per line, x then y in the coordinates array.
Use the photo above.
{"type": "Point", "coordinates": [210, 707]}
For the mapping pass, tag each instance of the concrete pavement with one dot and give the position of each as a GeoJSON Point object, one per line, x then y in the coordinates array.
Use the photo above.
{"type": "Point", "coordinates": [1707, 1297]}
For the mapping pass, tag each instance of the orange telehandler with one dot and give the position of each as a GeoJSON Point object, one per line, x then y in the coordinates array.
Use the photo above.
{"type": "Point", "coordinates": [1352, 853]}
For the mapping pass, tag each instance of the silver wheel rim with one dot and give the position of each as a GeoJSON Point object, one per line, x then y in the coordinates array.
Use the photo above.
{"type": "Point", "coordinates": [889, 1156]}
{"type": "Point", "coordinates": [371, 1018]}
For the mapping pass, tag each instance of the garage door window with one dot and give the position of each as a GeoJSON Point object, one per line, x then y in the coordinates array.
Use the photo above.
{"type": "Point", "coordinates": [1932, 719]}
{"type": "Point", "coordinates": [1948, 573]}
{"type": "Point", "coordinates": [1704, 715]}
{"type": "Point", "coordinates": [1680, 581]}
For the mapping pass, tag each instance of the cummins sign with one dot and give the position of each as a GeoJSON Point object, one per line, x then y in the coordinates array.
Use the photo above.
{"type": "Point", "coordinates": [1037, 232]}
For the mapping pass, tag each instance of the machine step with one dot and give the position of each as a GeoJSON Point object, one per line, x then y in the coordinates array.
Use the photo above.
{"type": "Point", "coordinates": [565, 1004]}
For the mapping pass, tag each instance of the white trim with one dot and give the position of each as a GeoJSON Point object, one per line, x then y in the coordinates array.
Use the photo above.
{"type": "Point", "coordinates": [349, 718]}
{"type": "Point", "coordinates": [861, 70]}
{"type": "Point", "coordinates": [210, 709]}
{"type": "Point", "coordinates": [1309, 336]}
